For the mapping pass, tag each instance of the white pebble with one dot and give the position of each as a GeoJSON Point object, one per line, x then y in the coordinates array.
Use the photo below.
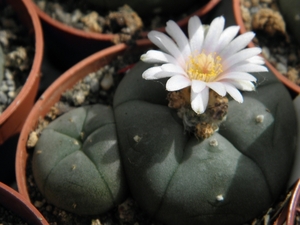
{"type": "Point", "coordinates": [11, 94]}
{"type": "Point", "coordinates": [281, 68]}
{"type": "Point", "coordinates": [107, 81]}
{"type": "Point", "coordinates": [265, 52]}
{"type": "Point", "coordinates": [137, 138]}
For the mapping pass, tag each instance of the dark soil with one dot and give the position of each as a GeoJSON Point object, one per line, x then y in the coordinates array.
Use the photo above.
{"type": "Point", "coordinates": [7, 217]}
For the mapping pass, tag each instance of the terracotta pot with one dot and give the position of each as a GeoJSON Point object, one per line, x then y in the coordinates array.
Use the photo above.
{"type": "Point", "coordinates": [294, 205]}
{"type": "Point", "coordinates": [53, 94]}
{"type": "Point", "coordinates": [12, 119]}
{"type": "Point", "coordinates": [14, 201]}
{"type": "Point", "coordinates": [280, 76]}
{"type": "Point", "coordinates": [291, 208]}
{"type": "Point", "coordinates": [68, 45]}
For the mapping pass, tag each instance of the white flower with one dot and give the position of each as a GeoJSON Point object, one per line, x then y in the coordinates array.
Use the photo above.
{"type": "Point", "coordinates": [211, 58]}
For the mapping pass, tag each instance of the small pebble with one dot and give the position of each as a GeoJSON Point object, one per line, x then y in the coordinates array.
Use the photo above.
{"type": "Point", "coordinates": [41, 4]}
{"type": "Point", "coordinates": [94, 85]}
{"type": "Point", "coordinates": [11, 89]}
{"type": "Point", "coordinates": [11, 94]}
{"type": "Point", "coordinates": [292, 58]}
{"type": "Point", "coordinates": [76, 15]}
{"type": "Point", "coordinates": [32, 140]}
{"type": "Point", "coordinates": [265, 52]}
{"type": "Point", "coordinates": [8, 75]}
{"type": "Point", "coordinates": [220, 198]}
{"type": "Point", "coordinates": [3, 87]}
{"type": "Point", "coordinates": [10, 83]}
{"type": "Point", "coordinates": [96, 222]}
{"type": "Point", "coordinates": [3, 98]}
{"type": "Point", "coordinates": [79, 98]}
{"type": "Point", "coordinates": [107, 81]}
{"type": "Point", "coordinates": [137, 138]}
{"type": "Point", "coordinates": [4, 38]}
{"type": "Point", "coordinates": [62, 16]}
{"type": "Point", "coordinates": [38, 204]}
{"type": "Point", "coordinates": [282, 59]}
{"type": "Point", "coordinates": [281, 68]}
{"type": "Point", "coordinates": [87, 79]}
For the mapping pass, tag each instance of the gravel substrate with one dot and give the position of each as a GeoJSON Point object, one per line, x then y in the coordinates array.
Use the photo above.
{"type": "Point", "coordinates": [18, 49]}
{"type": "Point", "coordinates": [272, 35]}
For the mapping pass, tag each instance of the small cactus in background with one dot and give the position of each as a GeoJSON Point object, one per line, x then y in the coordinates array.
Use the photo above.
{"type": "Point", "coordinates": [76, 162]}
{"type": "Point", "coordinates": [290, 10]}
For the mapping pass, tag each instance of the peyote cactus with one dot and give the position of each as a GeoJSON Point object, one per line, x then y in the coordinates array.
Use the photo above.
{"type": "Point", "coordinates": [148, 7]}
{"type": "Point", "coordinates": [76, 162]}
{"type": "Point", "coordinates": [290, 10]}
{"type": "Point", "coordinates": [229, 178]}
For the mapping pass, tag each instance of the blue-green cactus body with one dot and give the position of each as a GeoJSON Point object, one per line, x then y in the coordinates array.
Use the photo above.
{"type": "Point", "coordinates": [229, 178]}
{"type": "Point", "coordinates": [76, 162]}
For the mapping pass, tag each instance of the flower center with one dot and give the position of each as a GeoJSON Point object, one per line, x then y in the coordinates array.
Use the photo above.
{"type": "Point", "coordinates": [204, 67]}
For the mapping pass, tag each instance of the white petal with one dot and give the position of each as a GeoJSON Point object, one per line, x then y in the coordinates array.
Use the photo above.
{"type": "Point", "coordinates": [177, 82]}
{"type": "Point", "coordinates": [256, 60]}
{"type": "Point", "coordinates": [173, 68]}
{"type": "Point", "coordinates": [199, 100]}
{"type": "Point", "coordinates": [217, 87]}
{"type": "Point", "coordinates": [237, 76]}
{"type": "Point", "coordinates": [149, 74]}
{"type": "Point", "coordinates": [196, 34]}
{"type": "Point", "coordinates": [243, 85]}
{"type": "Point", "coordinates": [237, 44]}
{"type": "Point", "coordinates": [176, 33]}
{"type": "Point", "coordinates": [247, 67]}
{"type": "Point", "coordinates": [154, 56]}
{"type": "Point", "coordinates": [198, 86]}
{"type": "Point", "coordinates": [215, 29]}
{"type": "Point", "coordinates": [166, 44]}
{"type": "Point", "coordinates": [156, 72]}
{"type": "Point", "coordinates": [227, 36]}
{"type": "Point", "coordinates": [233, 92]}
{"type": "Point", "coordinates": [164, 74]}
{"type": "Point", "coordinates": [240, 56]}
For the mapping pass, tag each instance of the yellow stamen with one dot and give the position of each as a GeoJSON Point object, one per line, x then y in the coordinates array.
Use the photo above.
{"type": "Point", "coordinates": [204, 67]}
